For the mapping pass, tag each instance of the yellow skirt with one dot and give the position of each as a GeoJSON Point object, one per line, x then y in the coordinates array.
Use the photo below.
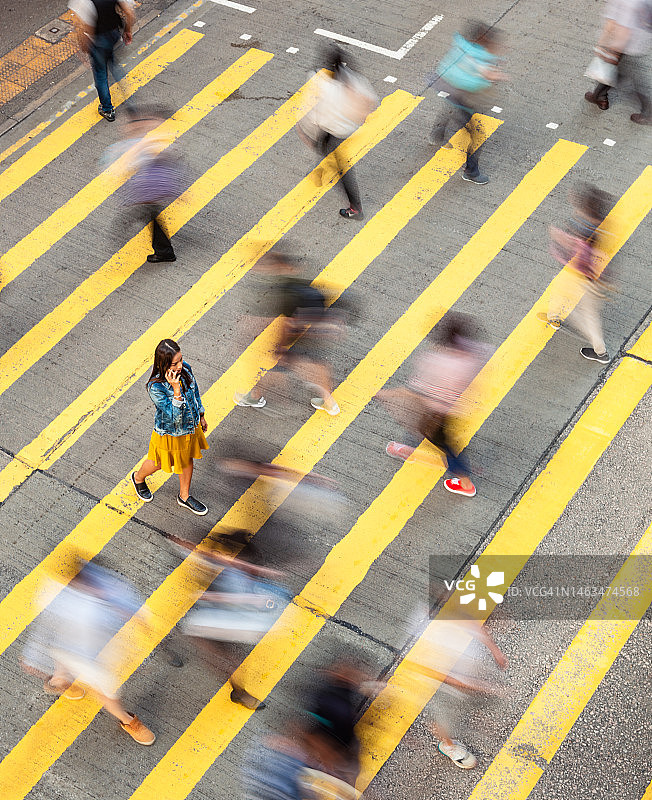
{"type": "Point", "coordinates": [174, 453]}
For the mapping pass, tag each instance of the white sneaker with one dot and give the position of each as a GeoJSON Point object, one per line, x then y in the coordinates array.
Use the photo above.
{"type": "Point", "coordinates": [247, 400]}
{"type": "Point", "coordinates": [320, 405]}
{"type": "Point", "coordinates": [458, 754]}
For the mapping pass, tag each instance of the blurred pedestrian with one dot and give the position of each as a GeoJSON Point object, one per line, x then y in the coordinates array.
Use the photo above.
{"type": "Point", "coordinates": [335, 707]}
{"type": "Point", "coordinates": [464, 681]}
{"type": "Point", "coordinates": [290, 768]}
{"type": "Point", "coordinates": [433, 401]}
{"type": "Point", "coordinates": [306, 317]}
{"type": "Point", "coordinates": [154, 177]}
{"type": "Point", "coordinates": [621, 56]}
{"type": "Point", "coordinates": [68, 645]}
{"type": "Point", "coordinates": [467, 74]}
{"type": "Point", "coordinates": [344, 101]}
{"type": "Point", "coordinates": [242, 603]}
{"type": "Point", "coordinates": [179, 426]}
{"type": "Point", "coordinates": [578, 246]}
{"type": "Point", "coordinates": [101, 24]}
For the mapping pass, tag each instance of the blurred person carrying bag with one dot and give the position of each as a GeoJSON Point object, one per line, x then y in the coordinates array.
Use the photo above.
{"type": "Point", "coordinates": [240, 607]}
{"type": "Point", "coordinates": [343, 104]}
{"type": "Point", "coordinates": [604, 66]}
{"type": "Point", "coordinates": [627, 28]}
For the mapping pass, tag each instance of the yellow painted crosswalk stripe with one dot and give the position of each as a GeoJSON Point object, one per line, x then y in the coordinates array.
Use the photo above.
{"type": "Point", "coordinates": [643, 347]}
{"type": "Point", "coordinates": [17, 610]}
{"type": "Point", "coordinates": [103, 522]}
{"type": "Point", "coordinates": [66, 429]}
{"type": "Point", "coordinates": [43, 336]}
{"type": "Point", "coordinates": [648, 793]}
{"type": "Point", "coordinates": [55, 143]}
{"type": "Point", "coordinates": [389, 717]}
{"type": "Point", "coordinates": [171, 600]}
{"type": "Point", "coordinates": [562, 698]}
{"type": "Point", "coordinates": [19, 257]}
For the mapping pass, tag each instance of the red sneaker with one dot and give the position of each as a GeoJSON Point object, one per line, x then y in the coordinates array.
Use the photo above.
{"type": "Point", "coordinates": [453, 485]}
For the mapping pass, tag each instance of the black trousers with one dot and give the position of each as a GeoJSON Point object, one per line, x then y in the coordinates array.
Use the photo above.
{"type": "Point", "coordinates": [150, 212]}
{"type": "Point", "coordinates": [326, 144]}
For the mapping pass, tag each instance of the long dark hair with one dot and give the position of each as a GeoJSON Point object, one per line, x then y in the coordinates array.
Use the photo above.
{"type": "Point", "coordinates": [332, 57]}
{"type": "Point", "coordinates": [455, 330]}
{"type": "Point", "coordinates": [165, 351]}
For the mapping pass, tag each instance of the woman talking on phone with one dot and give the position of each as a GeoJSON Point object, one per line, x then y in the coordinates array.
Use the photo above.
{"type": "Point", "coordinates": [179, 425]}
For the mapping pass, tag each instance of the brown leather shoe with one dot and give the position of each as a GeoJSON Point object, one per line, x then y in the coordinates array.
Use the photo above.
{"type": "Point", "coordinates": [602, 103]}
{"type": "Point", "coordinates": [641, 119]}
{"type": "Point", "coordinates": [239, 695]}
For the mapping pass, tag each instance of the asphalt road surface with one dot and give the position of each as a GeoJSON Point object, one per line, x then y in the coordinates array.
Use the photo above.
{"type": "Point", "coordinates": [559, 446]}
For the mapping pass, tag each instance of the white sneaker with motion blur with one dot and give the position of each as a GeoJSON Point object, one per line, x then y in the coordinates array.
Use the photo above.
{"type": "Point", "coordinates": [248, 401]}
{"type": "Point", "coordinates": [458, 754]}
{"type": "Point", "coordinates": [320, 405]}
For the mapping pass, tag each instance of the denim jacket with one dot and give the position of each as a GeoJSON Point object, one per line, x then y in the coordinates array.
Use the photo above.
{"type": "Point", "coordinates": [176, 417]}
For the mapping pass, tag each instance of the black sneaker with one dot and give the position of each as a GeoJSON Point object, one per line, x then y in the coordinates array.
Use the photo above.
{"type": "Point", "coordinates": [193, 505]}
{"type": "Point", "coordinates": [479, 178]}
{"type": "Point", "coordinates": [155, 258]}
{"type": "Point", "coordinates": [109, 116]}
{"type": "Point", "coordinates": [590, 354]}
{"type": "Point", "coordinates": [142, 490]}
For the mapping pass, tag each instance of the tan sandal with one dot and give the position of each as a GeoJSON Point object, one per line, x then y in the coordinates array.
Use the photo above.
{"type": "Point", "coordinates": [70, 692]}
{"type": "Point", "coordinates": [138, 731]}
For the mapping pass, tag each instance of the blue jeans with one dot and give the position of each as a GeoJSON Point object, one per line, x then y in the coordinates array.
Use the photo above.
{"type": "Point", "coordinates": [102, 57]}
{"type": "Point", "coordinates": [436, 429]}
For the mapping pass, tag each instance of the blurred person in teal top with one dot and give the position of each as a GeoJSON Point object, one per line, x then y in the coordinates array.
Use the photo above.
{"type": "Point", "coordinates": [467, 74]}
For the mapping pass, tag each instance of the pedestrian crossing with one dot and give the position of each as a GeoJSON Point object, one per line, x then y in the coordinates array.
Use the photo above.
{"type": "Point", "coordinates": [529, 522]}
{"type": "Point", "coordinates": [66, 217]}
{"type": "Point", "coordinates": [70, 131]}
{"type": "Point", "coordinates": [352, 558]}
{"type": "Point", "coordinates": [61, 434]}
